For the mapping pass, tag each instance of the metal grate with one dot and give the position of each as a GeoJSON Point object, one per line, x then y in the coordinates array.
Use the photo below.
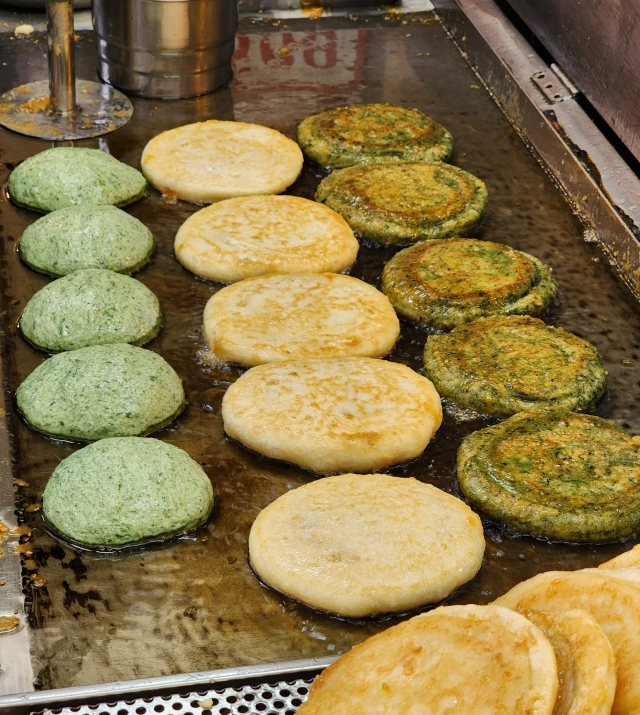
{"type": "Point", "coordinates": [277, 699]}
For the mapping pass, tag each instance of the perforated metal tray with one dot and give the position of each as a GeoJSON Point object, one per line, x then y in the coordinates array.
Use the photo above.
{"type": "Point", "coordinates": [274, 689]}
{"type": "Point", "coordinates": [282, 698]}
{"type": "Point", "coordinates": [195, 604]}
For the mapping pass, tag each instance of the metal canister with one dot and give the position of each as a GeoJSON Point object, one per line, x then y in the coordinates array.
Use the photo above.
{"type": "Point", "coordinates": [165, 48]}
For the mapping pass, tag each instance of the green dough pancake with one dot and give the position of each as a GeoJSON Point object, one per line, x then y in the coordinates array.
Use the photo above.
{"type": "Point", "coordinates": [67, 176]}
{"type": "Point", "coordinates": [454, 281]}
{"type": "Point", "coordinates": [507, 364]}
{"type": "Point", "coordinates": [405, 202]}
{"type": "Point", "coordinates": [125, 490]}
{"type": "Point", "coordinates": [101, 391]}
{"type": "Point", "coordinates": [91, 307]}
{"type": "Point", "coordinates": [561, 476]}
{"type": "Point", "coordinates": [371, 133]}
{"type": "Point", "coordinates": [79, 237]}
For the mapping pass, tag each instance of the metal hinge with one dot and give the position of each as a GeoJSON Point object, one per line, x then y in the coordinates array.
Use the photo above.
{"type": "Point", "coordinates": [554, 84]}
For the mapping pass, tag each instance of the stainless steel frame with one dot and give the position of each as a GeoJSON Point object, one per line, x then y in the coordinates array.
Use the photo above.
{"type": "Point", "coordinates": [599, 184]}
{"type": "Point", "coordinates": [597, 43]}
{"type": "Point", "coordinates": [538, 101]}
{"type": "Point", "coordinates": [26, 703]}
{"type": "Point", "coordinates": [15, 659]}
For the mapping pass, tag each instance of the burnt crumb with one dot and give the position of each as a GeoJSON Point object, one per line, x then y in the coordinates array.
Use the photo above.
{"type": "Point", "coordinates": [41, 556]}
{"type": "Point", "coordinates": [190, 612]}
{"type": "Point", "coordinates": [81, 599]}
{"type": "Point", "coordinates": [57, 552]}
{"type": "Point", "coordinates": [77, 566]}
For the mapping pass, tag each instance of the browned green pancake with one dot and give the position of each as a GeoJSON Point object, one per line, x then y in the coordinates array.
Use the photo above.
{"type": "Point", "coordinates": [371, 133]}
{"type": "Point", "coordinates": [506, 364]}
{"type": "Point", "coordinates": [445, 283]}
{"type": "Point", "coordinates": [562, 476]}
{"type": "Point", "coordinates": [405, 202]}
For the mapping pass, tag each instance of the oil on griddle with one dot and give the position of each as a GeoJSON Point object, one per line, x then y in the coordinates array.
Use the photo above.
{"type": "Point", "coordinates": [195, 604]}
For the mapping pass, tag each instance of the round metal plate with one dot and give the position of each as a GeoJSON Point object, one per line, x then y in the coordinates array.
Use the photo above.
{"type": "Point", "coordinates": [101, 109]}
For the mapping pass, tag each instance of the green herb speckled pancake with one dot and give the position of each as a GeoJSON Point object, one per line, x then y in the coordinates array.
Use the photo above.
{"type": "Point", "coordinates": [449, 282]}
{"type": "Point", "coordinates": [91, 307]}
{"type": "Point", "coordinates": [78, 237]}
{"type": "Point", "coordinates": [371, 133]}
{"type": "Point", "coordinates": [67, 176]}
{"type": "Point", "coordinates": [405, 202]}
{"type": "Point", "coordinates": [101, 391]}
{"type": "Point", "coordinates": [506, 364]}
{"type": "Point", "coordinates": [561, 476]}
{"type": "Point", "coordinates": [125, 490]}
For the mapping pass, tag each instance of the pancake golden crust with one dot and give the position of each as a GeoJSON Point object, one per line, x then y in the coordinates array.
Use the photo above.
{"type": "Point", "coordinates": [444, 283]}
{"type": "Point", "coordinates": [561, 476]}
{"type": "Point", "coordinates": [586, 664]}
{"type": "Point", "coordinates": [506, 364]}
{"type": "Point", "coordinates": [251, 236]}
{"type": "Point", "coordinates": [626, 574]}
{"type": "Point", "coordinates": [629, 559]}
{"type": "Point", "coordinates": [614, 603]}
{"type": "Point", "coordinates": [280, 317]}
{"type": "Point", "coordinates": [371, 133]}
{"type": "Point", "coordinates": [214, 160]}
{"type": "Point", "coordinates": [357, 545]}
{"type": "Point", "coordinates": [333, 415]}
{"type": "Point", "coordinates": [454, 659]}
{"type": "Point", "coordinates": [401, 203]}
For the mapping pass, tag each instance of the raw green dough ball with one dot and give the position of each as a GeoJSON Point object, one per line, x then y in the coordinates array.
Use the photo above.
{"type": "Point", "coordinates": [67, 176]}
{"type": "Point", "coordinates": [101, 391]}
{"type": "Point", "coordinates": [91, 307]}
{"type": "Point", "coordinates": [125, 490]}
{"type": "Point", "coordinates": [78, 237]}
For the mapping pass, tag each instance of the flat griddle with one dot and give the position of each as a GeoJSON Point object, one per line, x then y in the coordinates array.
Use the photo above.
{"type": "Point", "coordinates": [194, 604]}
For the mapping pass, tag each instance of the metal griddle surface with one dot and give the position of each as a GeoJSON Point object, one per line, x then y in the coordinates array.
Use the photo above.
{"type": "Point", "coordinates": [195, 604]}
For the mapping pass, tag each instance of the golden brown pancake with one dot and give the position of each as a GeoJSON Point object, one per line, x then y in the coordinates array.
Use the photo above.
{"type": "Point", "coordinates": [612, 601]}
{"type": "Point", "coordinates": [282, 316]}
{"type": "Point", "coordinates": [253, 235]}
{"type": "Point", "coordinates": [356, 545]}
{"type": "Point", "coordinates": [333, 415]}
{"type": "Point", "coordinates": [627, 559]}
{"type": "Point", "coordinates": [586, 664]}
{"type": "Point", "coordinates": [214, 160]}
{"type": "Point", "coordinates": [473, 660]}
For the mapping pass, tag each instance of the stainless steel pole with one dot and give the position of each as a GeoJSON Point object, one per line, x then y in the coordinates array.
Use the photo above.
{"type": "Point", "coordinates": [49, 109]}
{"type": "Point", "coordinates": [62, 75]}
